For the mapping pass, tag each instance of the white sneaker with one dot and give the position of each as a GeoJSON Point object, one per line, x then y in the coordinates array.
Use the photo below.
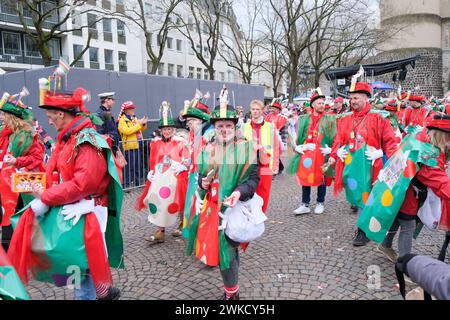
{"type": "Point", "coordinates": [302, 210]}
{"type": "Point", "coordinates": [319, 208]}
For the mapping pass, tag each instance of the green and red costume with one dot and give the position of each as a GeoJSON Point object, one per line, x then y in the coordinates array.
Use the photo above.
{"type": "Point", "coordinates": [81, 167]}
{"type": "Point", "coordinates": [393, 192]}
{"type": "Point", "coordinates": [233, 164]}
{"type": "Point", "coordinates": [29, 153]}
{"type": "Point", "coordinates": [320, 130]}
{"type": "Point", "coordinates": [356, 131]}
{"type": "Point", "coordinates": [11, 288]}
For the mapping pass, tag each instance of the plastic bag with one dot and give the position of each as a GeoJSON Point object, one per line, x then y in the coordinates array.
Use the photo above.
{"type": "Point", "coordinates": [430, 212]}
{"type": "Point", "coordinates": [245, 222]}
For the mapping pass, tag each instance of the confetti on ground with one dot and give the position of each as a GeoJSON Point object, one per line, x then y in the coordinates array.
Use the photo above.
{"type": "Point", "coordinates": [281, 276]}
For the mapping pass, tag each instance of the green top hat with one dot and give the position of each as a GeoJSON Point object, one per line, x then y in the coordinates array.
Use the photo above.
{"type": "Point", "coordinates": [196, 108]}
{"type": "Point", "coordinates": [224, 111]}
{"type": "Point", "coordinates": [17, 108]}
{"type": "Point", "coordinates": [166, 119]}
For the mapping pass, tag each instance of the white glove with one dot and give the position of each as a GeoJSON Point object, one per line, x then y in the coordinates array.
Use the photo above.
{"type": "Point", "coordinates": [342, 153]}
{"type": "Point", "coordinates": [198, 203]}
{"type": "Point", "coordinates": [325, 151]}
{"type": "Point", "coordinates": [300, 148]}
{"type": "Point", "coordinates": [77, 209]}
{"type": "Point", "coordinates": [310, 146]}
{"type": "Point", "coordinates": [151, 176]}
{"type": "Point", "coordinates": [373, 154]}
{"type": "Point", "coordinates": [38, 207]}
{"type": "Point", "coordinates": [177, 168]}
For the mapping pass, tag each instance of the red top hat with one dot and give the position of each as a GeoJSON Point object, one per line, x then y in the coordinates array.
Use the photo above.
{"type": "Point", "coordinates": [417, 98]}
{"type": "Point", "coordinates": [66, 101]}
{"type": "Point", "coordinates": [439, 122]}
{"type": "Point", "coordinates": [391, 105]}
{"type": "Point", "coordinates": [362, 87]}
{"type": "Point", "coordinates": [276, 104]}
{"type": "Point", "coordinates": [316, 96]}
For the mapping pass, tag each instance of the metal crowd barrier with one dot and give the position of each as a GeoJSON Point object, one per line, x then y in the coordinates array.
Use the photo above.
{"type": "Point", "coordinates": [135, 172]}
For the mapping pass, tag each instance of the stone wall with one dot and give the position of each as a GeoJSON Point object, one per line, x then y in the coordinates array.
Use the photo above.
{"type": "Point", "coordinates": [427, 75]}
{"type": "Point", "coordinates": [446, 53]}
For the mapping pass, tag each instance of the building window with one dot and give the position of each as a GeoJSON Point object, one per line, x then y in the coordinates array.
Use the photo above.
{"type": "Point", "coordinates": [199, 48]}
{"type": "Point", "coordinates": [107, 30]}
{"type": "Point", "coordinates": [49, 7]}
{"type": "Point", "coordinates": [109, 62]}
{"type": "Point", "coordinates": [92, 25]}
{"type": "Point", "coordinates": [77, 23]}
{"type": "Point", "coordinates": [158, 40]}
{"type": "Point", "coordinates": [179, 45]}
{"type": "Point", "coordinates": [161, 69]}
{"type": "Point", "coordinates": [54, 46]}
{"type": "Point", "coordinates": [191, 24]}
{"type": "Point", "coordinates": [170, 68]}
{"type": "Point", "coordinates": [191, 51]}
{"type": "Point", "coordinates": [31, 48]}
{"type": "Point", "coordinates": [199, 73]}
{"type": "Point", "coordinates": [180, 71]}
{"type": "Point", "coordinates": [9, 7]}
{"type": "Point", "coordinates": [222, 76]}
{"type": "Point", "coordinates": [169, 43]}
{"type": "Point", "coordinates": [205, 52]}
{"type": "Point", "coordinates": [123, 61]}
{"type": "Point", "coordinates": [191, 72]}
{"type": "Point", "coordinates": [11, 43]}
{"type": "Point", "coordinates": [206, 74]}
{"type": "Point", "coordinates": [93, 57]}
{"type": "Point", "coordinates": [121, 32]}
{"type": "Point", "coordinates": [76, 51]}
{"type": "Point", "coordinates": [205, 28]}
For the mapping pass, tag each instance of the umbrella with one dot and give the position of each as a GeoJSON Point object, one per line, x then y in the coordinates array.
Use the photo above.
{"type": "Point", "coordinates": [382, 86]}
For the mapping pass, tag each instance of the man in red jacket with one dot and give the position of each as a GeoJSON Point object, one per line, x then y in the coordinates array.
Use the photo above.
{"type": "Point", "coordinates": [78, 176]}
{"type": "Point", "coordinates": [279, 120]}
{"type": "Point", "coordinates": [363, 128]}
{"type": "Point", "coordinates": [418, 114]}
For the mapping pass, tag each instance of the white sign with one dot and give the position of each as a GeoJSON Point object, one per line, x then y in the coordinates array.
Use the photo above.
{"type": "Point", "coordinates": [341, 82]}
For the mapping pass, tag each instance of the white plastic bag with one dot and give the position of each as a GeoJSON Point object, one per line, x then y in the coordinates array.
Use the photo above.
{"type": "Point", "coordinates": [245, 222]}
{"type": "Point", "coordinates": [430, 212]}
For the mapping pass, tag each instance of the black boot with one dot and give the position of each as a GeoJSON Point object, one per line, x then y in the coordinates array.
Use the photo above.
{"type": "Point", "coordinates": [360, 239]}
{"type": "Point", "coordinates": [7, 233]}
{"type": "Point", "coordinates": [113, 294]}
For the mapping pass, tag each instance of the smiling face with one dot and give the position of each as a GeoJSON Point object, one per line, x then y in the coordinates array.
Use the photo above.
{"type": "Point", "coordinates": [358, 101]}
{"type": "Point", "coordinates": [167, 132]}
{"type": "Point", "coordinates": [225, 131]}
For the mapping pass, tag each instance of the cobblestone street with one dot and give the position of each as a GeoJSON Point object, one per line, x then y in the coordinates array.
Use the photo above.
{"type": "Point", "coordinates": [303, 257]}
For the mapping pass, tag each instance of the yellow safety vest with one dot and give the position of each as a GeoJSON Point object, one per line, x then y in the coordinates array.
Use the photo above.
{"type": "Point", "coordinates": [266, 136]}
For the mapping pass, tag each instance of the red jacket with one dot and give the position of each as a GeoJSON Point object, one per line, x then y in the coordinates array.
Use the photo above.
{"type": "Point", "coordinates": [83, 170]}
{"type": "Point", "coordinates": [417, 116]}
{"type": "Point", "coordinates": [434, 178]}
{"type": "Point", "coordinates": [370, 128]}
{"type": "Point", "coordinates": [277, 119]}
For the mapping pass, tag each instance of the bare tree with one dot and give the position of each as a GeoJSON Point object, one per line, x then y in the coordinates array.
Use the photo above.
{"type": "Point", "coordinates": [275, 61]}
{"type": "Point", "coordinates": [43, 21]}
{"type": "Point", "coordinates": [242, 48]}
{"type": "Point", "coordinates": [157, 21]}
{"type": "Point", "coordinates": [203, 27]}
{"type": "Point", "coordinates": [298, 29]}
